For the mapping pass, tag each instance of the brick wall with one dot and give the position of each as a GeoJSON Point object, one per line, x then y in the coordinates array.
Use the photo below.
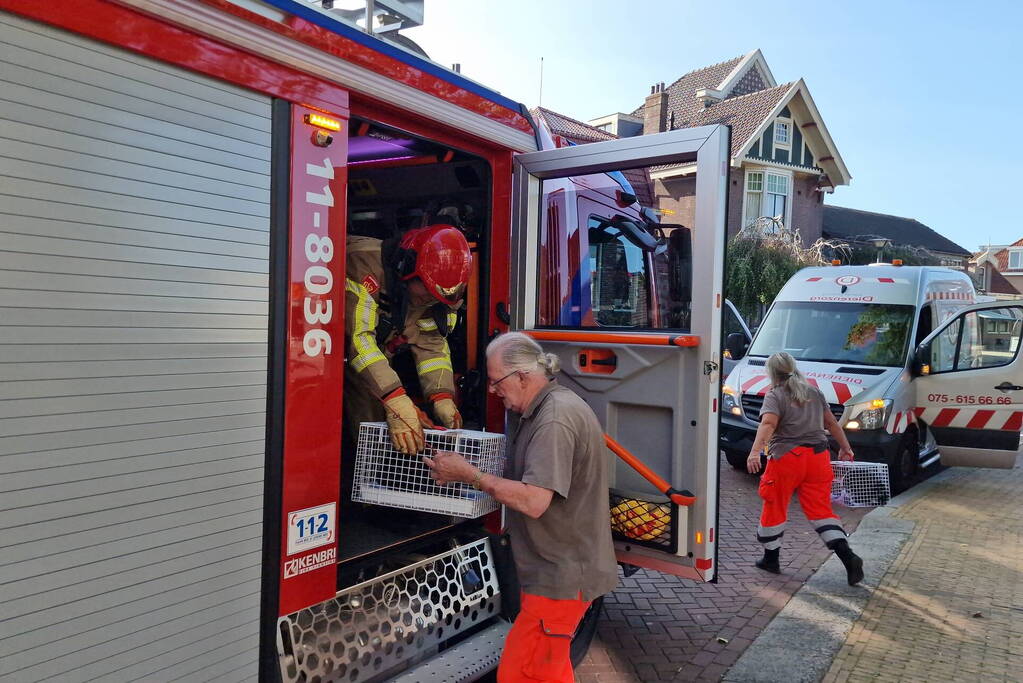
{"type": "Point", "coordinates": [678, 194]}
{"type": "Point", "coordinates": [807, 209]}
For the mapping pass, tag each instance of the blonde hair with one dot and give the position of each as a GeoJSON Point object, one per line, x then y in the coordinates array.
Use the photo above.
{"type": "Point", "coordinates": [782, 369]}
{"type": "Point", "coordinates": [519, 352]}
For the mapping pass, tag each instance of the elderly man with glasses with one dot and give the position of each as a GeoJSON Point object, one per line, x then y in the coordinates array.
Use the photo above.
{"type": "Point", "coordinates": [555, 492]}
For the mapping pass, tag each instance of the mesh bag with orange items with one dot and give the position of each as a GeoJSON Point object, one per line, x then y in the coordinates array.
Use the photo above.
{"type": "Point", "coordinates": [643, 522]}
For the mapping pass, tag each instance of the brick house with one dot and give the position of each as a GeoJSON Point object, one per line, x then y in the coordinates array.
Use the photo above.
{"type": "Point", "coordinates": [998, 269]}
{"type": "Point", "coordinates": [783, 159]}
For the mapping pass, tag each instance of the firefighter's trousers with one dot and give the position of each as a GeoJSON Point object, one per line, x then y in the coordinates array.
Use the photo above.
{"type": "Point", "coordinates": [808, 474]}
{"type": "Point", "coordinates": [537, 647]}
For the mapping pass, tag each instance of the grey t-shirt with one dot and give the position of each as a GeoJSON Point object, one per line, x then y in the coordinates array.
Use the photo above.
{"type": "Point", "coordinates": [558, 444]}
{"type": "Point", "coordinates": [798, 425]}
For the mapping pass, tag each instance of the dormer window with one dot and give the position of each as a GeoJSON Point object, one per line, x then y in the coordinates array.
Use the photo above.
{"type": "Point", "coordinates": [1016, 259]}
{"type": "Point", "coordinates": [782, 132]}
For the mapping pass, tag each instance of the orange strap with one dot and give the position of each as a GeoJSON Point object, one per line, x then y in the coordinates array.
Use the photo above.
{"type": "Point", "coordinates": [683, 498]}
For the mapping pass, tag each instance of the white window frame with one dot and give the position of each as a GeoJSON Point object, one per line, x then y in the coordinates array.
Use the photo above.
{"type": "Point", "coordinates": [746, 191]}
{"type": "Point", "coordinates": [765, 172]}
{"type": "Point", "coordinates": [786, 144]}
{"type": "Point", "coordinates": [788, 194]}
{"type": "Point", "coordinates": [1018, 253]}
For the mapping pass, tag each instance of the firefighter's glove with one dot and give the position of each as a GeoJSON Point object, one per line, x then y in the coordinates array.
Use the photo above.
{"type": "Point", "coordinates": [403, 422]}
{"type": "Point", "coordinates": [446, 411]}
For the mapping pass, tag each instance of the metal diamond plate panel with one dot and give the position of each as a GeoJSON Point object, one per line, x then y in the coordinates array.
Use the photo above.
{"type": "Point", "coordinates": [375, 626]}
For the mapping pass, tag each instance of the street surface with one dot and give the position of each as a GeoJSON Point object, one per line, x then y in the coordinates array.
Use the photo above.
{"type": "Point", "coordinates": [950, 608]}
{"type": "Point", "coordinates": [662, 628]}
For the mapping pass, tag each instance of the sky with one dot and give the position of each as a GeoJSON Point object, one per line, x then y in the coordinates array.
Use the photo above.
{"type": "Point", "coordinates": [919, 97]}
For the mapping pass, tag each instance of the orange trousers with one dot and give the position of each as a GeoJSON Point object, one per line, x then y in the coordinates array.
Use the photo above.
{"type": "Point", "coordinates": [808, 474]}
{"type": "Point", "coordinates": [537, 647]}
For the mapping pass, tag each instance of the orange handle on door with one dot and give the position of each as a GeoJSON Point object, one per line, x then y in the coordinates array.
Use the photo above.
{"type": "Point", "coordinates": [683, 498]}
{"type": "Point", "coordinates": [598, 361]}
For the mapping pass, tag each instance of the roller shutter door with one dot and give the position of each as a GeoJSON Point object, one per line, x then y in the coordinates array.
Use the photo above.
{"type": "Point", "coordinates": [134, 232]}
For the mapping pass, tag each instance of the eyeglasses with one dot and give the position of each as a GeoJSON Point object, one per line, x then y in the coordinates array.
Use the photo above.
{"type": "Point", "coordinates": [494, 383]}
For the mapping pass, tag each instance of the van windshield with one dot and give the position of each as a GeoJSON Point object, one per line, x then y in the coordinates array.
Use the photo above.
{"type": "Point", "coordinates": [857, 333]}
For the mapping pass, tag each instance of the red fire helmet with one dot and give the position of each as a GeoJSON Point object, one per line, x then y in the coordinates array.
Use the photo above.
{"type": "Point", "coordinates": [439, 256]}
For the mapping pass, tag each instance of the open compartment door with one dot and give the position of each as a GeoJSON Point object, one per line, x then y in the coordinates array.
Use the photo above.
{"type": "Point", "coordinates": [632, 306]}
{"type": "Point", "coordinates": [970, 389]}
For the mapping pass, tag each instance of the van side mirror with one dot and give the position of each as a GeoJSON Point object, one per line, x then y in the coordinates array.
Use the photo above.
{"type": "Point", "coordinates": [736, 345]}
{"type": "Point", "coordinates": [921, 362]}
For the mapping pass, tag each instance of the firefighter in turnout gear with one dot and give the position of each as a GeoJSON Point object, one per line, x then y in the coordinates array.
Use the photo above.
{"type": "Point", "coordinates": [403, 295]}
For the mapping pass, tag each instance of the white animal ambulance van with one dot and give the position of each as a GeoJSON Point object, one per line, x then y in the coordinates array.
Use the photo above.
{"type": "Point", "coordinates": [913, 368]}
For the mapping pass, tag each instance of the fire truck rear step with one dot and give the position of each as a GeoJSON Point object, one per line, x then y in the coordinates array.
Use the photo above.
{"type": "Point", "coordinates": [467, 661]}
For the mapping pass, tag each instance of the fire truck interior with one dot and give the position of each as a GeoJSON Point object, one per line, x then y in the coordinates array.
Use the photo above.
{"type": "Point", "coordinates": [396, 182]}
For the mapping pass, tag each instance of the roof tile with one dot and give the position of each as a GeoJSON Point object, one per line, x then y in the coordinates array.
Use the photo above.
{"type": "Point", "coordinates": [843, 223]}
{"type": "Point", "coordinates": [744, 113]}
{"type": "Point", "coordinates": [576, 131]}
{"type": "Point", "coordinates": [582, 133]}
{"type": "Point", "coordinates": [682, 93]}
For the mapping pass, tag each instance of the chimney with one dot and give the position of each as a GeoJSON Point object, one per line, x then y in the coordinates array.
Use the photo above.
{"type": "Point", "coordinates": [655, 110]}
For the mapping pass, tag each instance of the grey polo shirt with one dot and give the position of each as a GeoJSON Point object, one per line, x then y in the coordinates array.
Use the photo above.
{"type": "Point", "coordinates": [798, 425]}
{"type": "Point", "coordinates": [558, 444]}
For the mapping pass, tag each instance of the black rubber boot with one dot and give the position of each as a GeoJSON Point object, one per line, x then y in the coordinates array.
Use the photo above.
{"type": "Point", "coordinates": [853, 562]}
{"type": "Point", "coordinates": [769, 562]}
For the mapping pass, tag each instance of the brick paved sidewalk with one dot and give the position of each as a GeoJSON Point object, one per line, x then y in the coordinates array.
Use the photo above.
{"type": "Point", "coordinates": [662, 628]}
{"type": "Point", "coordinates": [951, 606]}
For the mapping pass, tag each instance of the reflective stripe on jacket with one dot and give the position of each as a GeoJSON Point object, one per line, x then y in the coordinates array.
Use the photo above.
{"type": "Point", "coordinates": [364, 286]}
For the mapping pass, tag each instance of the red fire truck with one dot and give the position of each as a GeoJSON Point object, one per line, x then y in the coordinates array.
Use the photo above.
{"type": "Point", "coordinates": [178, 179]}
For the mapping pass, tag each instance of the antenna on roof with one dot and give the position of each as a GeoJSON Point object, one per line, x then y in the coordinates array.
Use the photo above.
{"type": "Point", "coordinates": [540, 98]}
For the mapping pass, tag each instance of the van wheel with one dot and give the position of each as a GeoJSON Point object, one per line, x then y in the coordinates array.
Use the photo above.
{"type": "Point", "coordinates": [585, 632]}
{"type": "Point", "coordinates": [736, 459]}
{"type": "Point", "coordinates": [904, 463]}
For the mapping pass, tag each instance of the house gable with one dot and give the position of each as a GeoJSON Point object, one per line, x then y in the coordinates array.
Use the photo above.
{"type": "Point", "coordinates": [749, 75]}
{"type": "Point", "coordinates": [812, 150]}
{"type": "Point", "coordinates": [742, 93]}
{"type": "Point", "coordinates": [796, 153]}
{"type": "Point", "coordinates": [751, 81]}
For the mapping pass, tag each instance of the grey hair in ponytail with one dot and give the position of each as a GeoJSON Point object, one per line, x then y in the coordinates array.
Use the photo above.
{"type": "Point", "coordinates": [519, 352]}
{"type": "Point", "coordinates": [783, 372]}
